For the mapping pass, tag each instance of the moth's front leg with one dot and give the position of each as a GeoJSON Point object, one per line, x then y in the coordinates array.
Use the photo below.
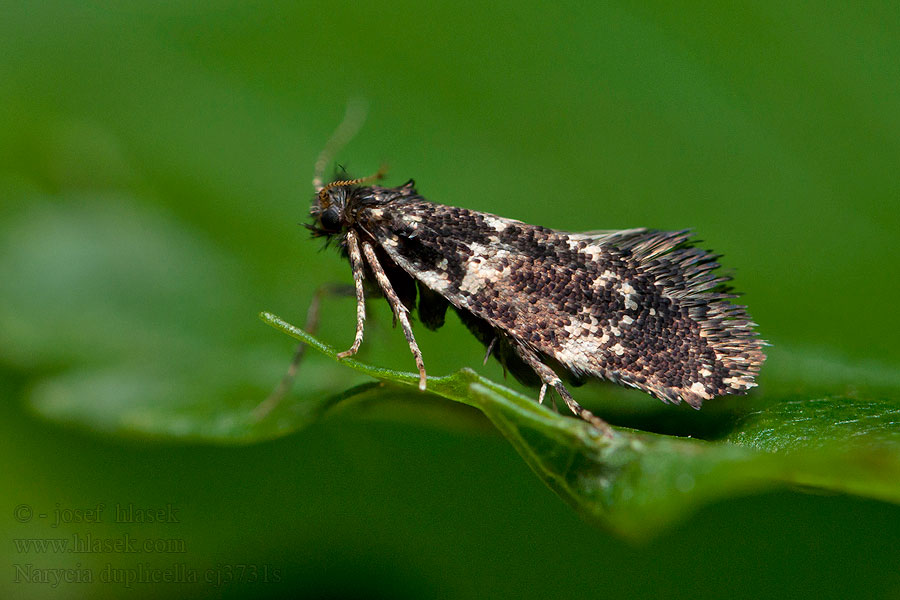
{"type": "Point", "coordinates": [356, 263]}
{"type": "Point", "coordinates": [400, 311]}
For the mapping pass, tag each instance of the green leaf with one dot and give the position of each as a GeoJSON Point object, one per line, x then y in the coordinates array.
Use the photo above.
{"type": "Point", "coordinates": [638, 482]}
{"type": "Point", "coordinates": [161, 403]}
{"type": "Point", "coordinates": [124, 363]}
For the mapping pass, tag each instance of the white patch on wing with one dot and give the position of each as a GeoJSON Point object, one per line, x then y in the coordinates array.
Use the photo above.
{"type": "Point", "coordinates": [608, 276]}
{"type": "Point", "coordinates": [700, 389]}
{"type": "Point", "coordinates": [583, 352]}
{"type": "Point", "coordinates": [629, 293]}
{"type": "Point", "coordinates": [594, 251]}
{"type": "Point", "coordinates": [434, 280]}
{"type": "Point", "coordinates": [495, 223]}
{"type": "Point", "coordinates": [579, 354]}
{"type": "Point", "coordinates": [481, 268]}
{"type": "Point", "coordinates": [738, 383]}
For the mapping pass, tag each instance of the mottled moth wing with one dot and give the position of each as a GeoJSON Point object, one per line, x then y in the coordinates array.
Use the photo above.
{"type": "Point", "coordinates": [638, 307]}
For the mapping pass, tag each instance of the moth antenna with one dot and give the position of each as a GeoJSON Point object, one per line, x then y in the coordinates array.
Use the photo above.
{"type": "Point", "coordinates": [354, 117]}
{"type": "Point", "coordinates": [374, 177]}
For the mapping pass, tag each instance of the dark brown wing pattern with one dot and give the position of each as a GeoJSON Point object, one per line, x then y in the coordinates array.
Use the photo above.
{"type": "Point", "coordinates": [638, 307]}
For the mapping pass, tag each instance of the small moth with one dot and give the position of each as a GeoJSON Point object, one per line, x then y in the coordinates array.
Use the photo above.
{"type": "Point", "coordinates": [638, 307]}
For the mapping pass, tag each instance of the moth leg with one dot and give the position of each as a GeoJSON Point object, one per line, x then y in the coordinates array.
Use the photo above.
{"type": "Point", "coordinates": [490, 349]}
{"type": "Point", "coordinates": [400, 311]}
{"type": "Point", "coordinates": [543, 394]}
{"type": "Point", "coordinates": [551, 379]}
{"type": "Point", "coordinates": [312, 323]}
{"type": "Point", "coordinates": [356, 263]}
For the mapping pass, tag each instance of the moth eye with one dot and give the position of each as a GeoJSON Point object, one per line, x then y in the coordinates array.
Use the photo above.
{"type": "Point", "coordinates": [331, 220]}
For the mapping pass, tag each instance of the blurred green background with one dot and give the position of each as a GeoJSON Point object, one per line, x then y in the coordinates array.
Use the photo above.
{"type": "Point", "coordinates": [155, 160]}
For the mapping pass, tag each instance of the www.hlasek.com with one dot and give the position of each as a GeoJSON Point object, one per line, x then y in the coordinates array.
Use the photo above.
{"type": "Point", "coordinates": [88, 544]}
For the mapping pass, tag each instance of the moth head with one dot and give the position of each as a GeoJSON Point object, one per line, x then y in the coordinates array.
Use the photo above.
{"type": "Point", "coordinates": [332, 206]}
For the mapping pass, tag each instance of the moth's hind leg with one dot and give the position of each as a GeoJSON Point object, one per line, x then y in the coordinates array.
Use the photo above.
{"type": "Point", "coordinates": [312, 324]}
{"type": "Point", "coordinates": [549, 378]}
{"type": "Point", "coordinates": [400, 310]}
{"type": "Point", "coordinates": [543, 394]}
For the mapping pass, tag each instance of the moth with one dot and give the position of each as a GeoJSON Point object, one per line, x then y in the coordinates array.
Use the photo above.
{"type": "Point", "coordinates": [637, 307]}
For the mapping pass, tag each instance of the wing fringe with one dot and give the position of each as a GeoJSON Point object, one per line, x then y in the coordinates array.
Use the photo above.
{"type": "Point", "coordinates": [686, 273]}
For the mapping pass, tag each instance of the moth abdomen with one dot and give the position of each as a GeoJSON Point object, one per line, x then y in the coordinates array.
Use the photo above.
{"type": "Point", "coordinates": [432, 307]}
